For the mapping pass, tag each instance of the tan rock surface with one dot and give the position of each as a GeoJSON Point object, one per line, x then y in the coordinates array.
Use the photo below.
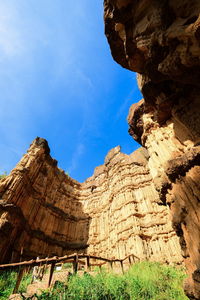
{"type": "Point", "coordinates": [114, 213]}
{"type": "Point", "coordinates": [160, 41]}
{"type": "Point", "coordinates": [40, 210]}
{"type": "Point", "coordinates": [127, 205]}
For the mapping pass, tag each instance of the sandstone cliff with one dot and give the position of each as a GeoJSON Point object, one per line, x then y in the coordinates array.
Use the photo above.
{"type": "Point", "coordinates": [161, 41]}
{"type": "Point", "coordinates": [128, 204]}
{"type": "Point", "coordinates": [40, 210]}
{"type": "Point", "coordinates": [114, 213]}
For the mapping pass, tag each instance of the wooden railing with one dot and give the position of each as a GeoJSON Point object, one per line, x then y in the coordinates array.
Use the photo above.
{"type": "Point", "coordinates": [74, 259]}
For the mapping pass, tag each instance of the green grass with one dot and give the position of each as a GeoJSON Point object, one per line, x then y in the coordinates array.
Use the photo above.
{"type": "Point", "coordinates": [144, 281]}
{"type": "Point", "coordinates": [7, 283]}
{"type": "Point", "coordinates": [26, 280]}
{"type": "Point", "coordinates": [67, 266]}
{"type": "Point", "coordinates": [154, 281]}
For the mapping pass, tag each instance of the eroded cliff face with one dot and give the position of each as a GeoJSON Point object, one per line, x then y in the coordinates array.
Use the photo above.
{"type": "Point", "coordinates": [41, 214]}
{"type": "Point", "coordinates": [125, 213]}
{"type": "Point", "coordinates": [114, 213]}
{"type": "Point", "coordinates": [161, 41]}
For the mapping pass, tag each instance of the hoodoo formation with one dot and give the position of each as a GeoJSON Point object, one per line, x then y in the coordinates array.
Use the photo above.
{"type": "Point", "coordinates": [114, 213]}
{"type": "Point", "coordinates": [161, 41]}
{"type": "Point", "coordinates": [146, 203]}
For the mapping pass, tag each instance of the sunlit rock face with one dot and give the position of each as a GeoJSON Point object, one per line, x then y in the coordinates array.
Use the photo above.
{"type": "Point", "coordinates": [114, 213]}
{"type": "Point", "coordinates": [161, 41]}
{"type": "Point", "coordinates": [41, 214]}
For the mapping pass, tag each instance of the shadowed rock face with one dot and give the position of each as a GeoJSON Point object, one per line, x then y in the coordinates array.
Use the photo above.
{"type": "Point", "coordinates": [114, 213]}
{"type": "Point", "coordinates": [161, 41]}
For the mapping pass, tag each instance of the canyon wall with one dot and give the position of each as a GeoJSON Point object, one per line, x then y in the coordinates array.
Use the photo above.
{"type": "Point", "coordinates": [160, 40]}
{"type": "Point", "coordinates": [126, 215]}
{"type": "Point", "coordinates": [114, 213]}
{"type": "Point", "coordinates": [145, 203]}
{"type": "Point", "coordinates": [41, 214]}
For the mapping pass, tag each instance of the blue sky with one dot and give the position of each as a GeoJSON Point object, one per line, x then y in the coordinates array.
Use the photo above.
{"type": "Point", "coordinates": [59, 81]}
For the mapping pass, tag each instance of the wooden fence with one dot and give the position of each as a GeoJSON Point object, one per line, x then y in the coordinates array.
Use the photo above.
{"type": "Point", "coordinates": [74, 259]}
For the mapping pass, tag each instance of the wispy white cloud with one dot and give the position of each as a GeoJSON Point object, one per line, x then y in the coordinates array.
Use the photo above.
{"type": "Point", "coordinates": [84, 78]}
{"type": "Point", "coordinates": [78, 152]}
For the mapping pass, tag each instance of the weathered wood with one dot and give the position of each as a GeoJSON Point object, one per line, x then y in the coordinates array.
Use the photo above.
{"type": "Point", "coordinates": [97, 264]}
{"type": "Point", "coordinates": [122, 267]}
{"type": "Point", "coordinates": [87, 263]}
{"type": "Point", "coordinates": [51, 273]}
{"type": "Point", "coordinates": [49, 261]}
{"type": "Point", "coordinates": [81, 262]}
{"type": "Point", "coordinates": [45, 267]}
{"type": "Point", "coordinates": [66, 258]}
{"type": "Point", "coordinates": [19, 278]}
{"type": "Point", "coordinates": [75, 264]}
{"type": "Point", "coordinates": [42, 272]}
{"type": "Point", "coordinates": [99, 258]}
{"type": "Point", "coordinates": [32, 262]}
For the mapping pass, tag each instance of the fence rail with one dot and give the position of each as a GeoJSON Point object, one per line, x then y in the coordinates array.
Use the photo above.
{"type": "Point", "coordinates": [74, 259]}
{"type": "Point", "coordinates": [66, 258]}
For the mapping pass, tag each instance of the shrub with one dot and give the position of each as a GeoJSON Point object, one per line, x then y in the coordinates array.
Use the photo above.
{"type": "Point", "coordinates": [144, 281]}
{"type": "Point", "coordinates": [8, 281]}
{"type": "Point", "coordinates": [154, 281]}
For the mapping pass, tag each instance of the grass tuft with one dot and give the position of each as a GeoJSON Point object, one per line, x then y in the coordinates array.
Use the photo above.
{"type": "Point", "coordinates": [8, 281]}
{"type": "Point", "coordinates": [143, 281]}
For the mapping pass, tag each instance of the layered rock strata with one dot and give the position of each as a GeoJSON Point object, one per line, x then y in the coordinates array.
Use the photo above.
{"type": "Point", "coordinates": [114, 213]}
{"type": "Point", "coordinates": [161, 41]}
{"type": "Point", "coordinates": [41, 214]}
{"type": "Point", "coordinates": [125, 213]}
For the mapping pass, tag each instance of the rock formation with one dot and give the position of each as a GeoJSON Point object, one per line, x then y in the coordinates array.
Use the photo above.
{"type": "Point", "coordinates": [127, 206]}
{"type": "Point", "coordinates": [114, 213]}
{"type": "Point", "coordinates": [41, 214]}
{"type": "Point", "coordinates": [161, 41]}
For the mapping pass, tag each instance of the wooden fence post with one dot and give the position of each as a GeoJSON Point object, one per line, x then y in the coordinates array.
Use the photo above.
{"type": "Point", "coordinates": [45, 267]}
{"type": "Point", "coordinates": [19, 278]}
{"type": "Point", "coordinates": [121, 262]}
{"type": "Point", "coordinates": [75, 264]}
{"type": "Point", "coordinates": [111, 265]}
{"type": "Point", "coordinates": [132, 257]}
{"type": "Point", "coordinates": [51, 273]}
{"type": "Point", "coordinates": [88, 263]}
{"type": "Point", "coordinates": [129, 259]}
